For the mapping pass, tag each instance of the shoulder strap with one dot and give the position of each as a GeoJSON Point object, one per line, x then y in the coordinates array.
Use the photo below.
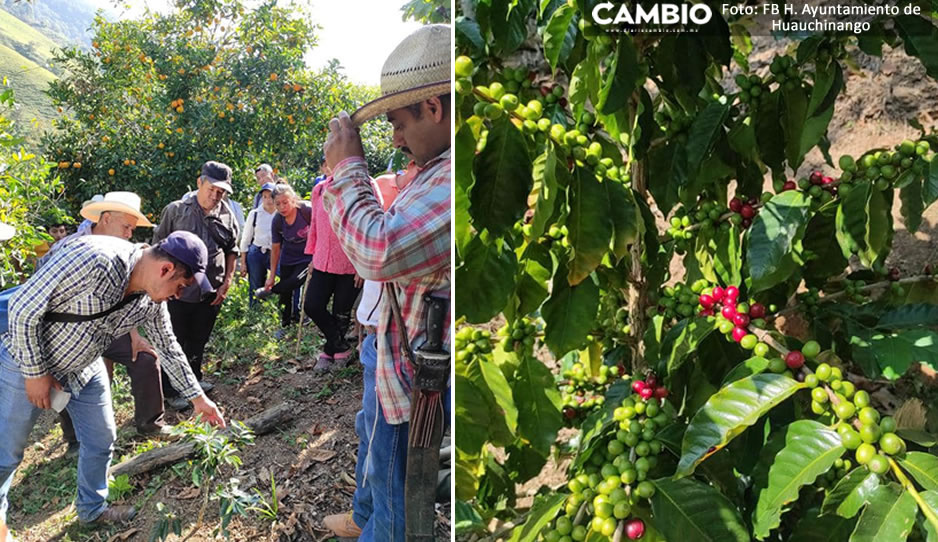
{"type": "Point", "coordinates": [399, 319]}
{"type": "Point", "coordinates": [68, 317]}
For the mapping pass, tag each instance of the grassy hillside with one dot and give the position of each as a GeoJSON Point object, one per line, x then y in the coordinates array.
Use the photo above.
{"type": "Point", "coordinates": [28, 81]}
{"type": "Point", "coordinates": [26, 40]}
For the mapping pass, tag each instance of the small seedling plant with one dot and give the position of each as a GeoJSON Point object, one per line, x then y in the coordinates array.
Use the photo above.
{"type": "Point", "coordinates": [585, 174]}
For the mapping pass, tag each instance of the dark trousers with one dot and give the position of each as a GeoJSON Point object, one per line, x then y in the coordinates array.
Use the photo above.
{"type": "Point", "coordinates": [291, 279]}
{"type": "Point", "coordinates": [144, 386]}
{"type": "Point", "coordinates": [333, 325]}
{"type": "Point", "coordinates": [192, 325]}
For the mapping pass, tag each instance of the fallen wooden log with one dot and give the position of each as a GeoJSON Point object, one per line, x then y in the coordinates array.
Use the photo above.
{"type": "Point", "coordinates": [262, 423]}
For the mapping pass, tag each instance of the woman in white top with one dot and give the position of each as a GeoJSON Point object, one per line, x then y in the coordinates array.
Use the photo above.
{"type": "Point", "coordinates": [256, 241]}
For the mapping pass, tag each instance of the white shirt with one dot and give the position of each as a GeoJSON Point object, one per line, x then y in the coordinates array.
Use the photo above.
{"type": "Point", "coordinates": [260, 234]}
{"type": "Point", "coordinates": [368, 312]}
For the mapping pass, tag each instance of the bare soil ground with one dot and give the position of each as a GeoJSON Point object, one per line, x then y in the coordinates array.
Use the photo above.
{"type": "Point", "coordinates": [312, 459]}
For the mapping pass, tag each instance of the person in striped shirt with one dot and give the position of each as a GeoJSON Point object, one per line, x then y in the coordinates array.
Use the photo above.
{"type": "Point", "coordinates": [111, 286]}
{"type": "Point", "coordinates": [407, 246]}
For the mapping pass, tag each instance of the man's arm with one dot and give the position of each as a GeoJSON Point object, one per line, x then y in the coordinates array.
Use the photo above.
{"type": "Point", "coordinates": [411, 239]}
{"type": "Point", "coordinates": [165, 227]}
{"type": "Point", "coordinates": [222, 292]}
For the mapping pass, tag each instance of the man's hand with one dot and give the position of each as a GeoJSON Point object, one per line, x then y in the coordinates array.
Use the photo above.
{"type": "Point", "coordinates": [209, 411]}
{"type": "Point", "coordinates": [243, 270]}
{"type": "Point", "coordinates": [222, 292]}
{"type": "Point", "coordinates": [343, 142]}
{"type": "Point", "coordinates": [270, 282]}
{"type": "Point", "coordinates": [138, 344]}
{"type": "Point", "coordinates": [37, 390]}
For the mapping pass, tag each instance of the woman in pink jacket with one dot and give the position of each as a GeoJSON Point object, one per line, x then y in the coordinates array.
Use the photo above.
{"type": "Point", "coordinates": [331, 277]}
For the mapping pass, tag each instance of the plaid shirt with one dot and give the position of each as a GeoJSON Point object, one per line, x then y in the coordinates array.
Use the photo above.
{"type": "Point", "coordinates": [409, 245]}
{"type": "Point", "coordinates": [88, 276]}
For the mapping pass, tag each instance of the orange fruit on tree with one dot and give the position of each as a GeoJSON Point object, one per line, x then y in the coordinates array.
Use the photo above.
{"type": "Point", "coordinates": [76, 165]}
{"type": "Point", "coordinates": [273, 77]}
{"type": "Point", "coordinates": [110, 171]}
{"type": "Point", "coordinates": [127, 161]}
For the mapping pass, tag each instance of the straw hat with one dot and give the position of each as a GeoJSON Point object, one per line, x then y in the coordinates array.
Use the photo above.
{"type": "Point", "coordinates": [418, 69]}
{"type": "Point", "coordinates": [6, 231]}
{"type": "Point", "coordinates": [122, 202]}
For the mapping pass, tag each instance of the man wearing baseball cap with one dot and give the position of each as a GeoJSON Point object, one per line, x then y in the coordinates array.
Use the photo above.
{"type": "Point", "coordinates": [407, 248]}
{"type": "Point", "coordinates": [61, 321]}
{"type": "Point", "coordinates": [117, 214]}
{"type": "Point", "coordinates": [211, 220]}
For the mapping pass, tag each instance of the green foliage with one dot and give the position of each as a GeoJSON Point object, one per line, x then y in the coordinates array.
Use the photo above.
{"type": "Point", "coordinates": [427, 11]}
{"type": "Point", "coordinates": [567, 164]}
{"type": "Point", "coordinates": [118, 487]}
{"type": "Point", "coordinates": [156, 97]}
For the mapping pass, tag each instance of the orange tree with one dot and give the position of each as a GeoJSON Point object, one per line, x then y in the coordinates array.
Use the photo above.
{"type": "Point", "coordinates": [704, 420]}
{"type": "Point", "coordinates": [156, 97]}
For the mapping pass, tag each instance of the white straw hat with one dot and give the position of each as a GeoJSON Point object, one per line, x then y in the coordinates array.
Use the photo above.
{"type": "Point", "coordinates": [6, 231]}
{"type": "Point", "coordinates": [419, 68]}
{"type": "Point", "coordinates": [122, 202]}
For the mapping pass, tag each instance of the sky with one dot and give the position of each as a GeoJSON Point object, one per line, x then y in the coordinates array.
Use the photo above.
{"type": "Point", "coordinates": [360, 33]}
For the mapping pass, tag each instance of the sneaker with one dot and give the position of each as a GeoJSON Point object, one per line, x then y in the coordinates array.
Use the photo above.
{"type": "Point", "coordinates": [323, 363]}
{"type": "Point", "coordinates": [206, 385]}
{"type": "Point", "coordinates": [342, 525]}
{"type": "Point", "coordinates": [263, 293]}
{"type": "Point", "coordinates": [342, 359]}
{"type": "Point", "coordinates": [280, 333]}
{"type": "Point", "coordinates": [116, 514]}
{"type": "Point", "coordinates": [72, 451]}
{"type": "Point", "coordinates": [178, 403]}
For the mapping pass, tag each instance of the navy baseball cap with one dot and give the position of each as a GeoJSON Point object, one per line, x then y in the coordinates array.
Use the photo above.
{"type": "Point", "coordinates": [268, 186]}
{"type": "Point", "coordinates": [186, 247]}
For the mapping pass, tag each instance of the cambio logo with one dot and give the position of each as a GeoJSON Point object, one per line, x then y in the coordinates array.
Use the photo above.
{"type": "Point", "coordinates": [605, 13]}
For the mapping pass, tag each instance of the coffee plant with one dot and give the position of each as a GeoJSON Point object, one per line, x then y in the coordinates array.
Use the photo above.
{"type": "Point", "coordinates": [739, 399]}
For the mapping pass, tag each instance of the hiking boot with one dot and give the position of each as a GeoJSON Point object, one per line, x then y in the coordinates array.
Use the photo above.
{"type": "Point", "coordinates": [72, 451]}
{"type": "Point", "coordinates": [342, 525]}
{"type": "Point", "coordinates": [116, 514]}
{"type": "Point", "coordinates": [178, 403]}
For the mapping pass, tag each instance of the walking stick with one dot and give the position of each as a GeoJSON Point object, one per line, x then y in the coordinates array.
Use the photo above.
{"type": "Point", "coordinates": [299, 331]}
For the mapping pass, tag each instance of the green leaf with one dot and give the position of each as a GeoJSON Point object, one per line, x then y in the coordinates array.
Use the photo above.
{"type": "Point", "coordinates": [851, 493]}
{"type": "Point", "coordinates": [810, 450]}
{"type": "Point", "coordinates": [469, 30]}
{"type": "Point", "coordinates": [817, 237]}
{"type": "Point", "coordinates": [922, 438]}
{"type": "Point", "coordinates": [472, 415]}
{"type": "Point", "coordinates": [689, 510]}
{"type": "Point", "coordinates": [466, 519]}
{"type": "Point", "coordinates": [465, 153]}
{"type": "Point", "coordinates": [569, 313]}
{"type": "Point", "coordinates": [669, 162]}
{"type": "Point", "coordinates": [509, 23]}
{"type": "Point", "coordinates": [501, 392]}
{"type": "Point", "coordinates": [889, 516]}
{"type": "Point", "coordinates": [544, 172]}
{"type": "Point", "coordinates": [485, 278]}
{"type": "Point", "coordinates": [538, 403]}
{"type": "Point", "coordinates": [542, 513]}
{"type": "Point", "coordinates": [769, 133]}
{"type": "Point", "coordinates": [923, 467]}
{"type": "Point", "coordinates": [625, 217]}
{"type": "Point", "coordinates": [851, 219]}
{"type": "Point", "coordinates": [751, 366]}
{"type": "Point", "coordinates": [704, 133]}
{"type": "Point", "coordinates": [912, 204]}
{"type": "Point", "coordinates": [931, 499]}
{"type": "Point", "coordinates": [621, 78]}
{"type": "Point", "coordinates": [590, 231]}
{"type": "Point", "coordinates": [896, 352]}
{"type": "Point", "coordinates": [823, 529]}
{"type": "Point", "coordinates": [909, 316]}
{"type": "Point", "coordinates": [920, 38]}
{"type": "Point", "coordinates": [771, 237]}
{"type": "Point", "coordinates": [930, 189]}
{"type": "Point", "coordinates": [560, 35]}
{"type": "Point", "coordinates": [535, 276]}
{"type": "Point", "coordinates": [502, 179]}
{"type": "Point", "coordinates": [878, 229]}
{"type": "Point", "coordinates": [727, 260]}
{"type": "Point", "coordinates": [728, 413]}
{"type": "Point", "coordinates": [682, 340]}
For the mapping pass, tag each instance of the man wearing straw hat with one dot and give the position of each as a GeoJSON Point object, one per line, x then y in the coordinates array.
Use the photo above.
{"type": "Point", "coordinates": [408, 248]}
{"type": "Point", "coordinates": [117, 214]}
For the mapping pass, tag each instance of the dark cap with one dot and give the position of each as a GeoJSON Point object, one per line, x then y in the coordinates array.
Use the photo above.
{"type": "Point", "coordinates": [218, 174]}
{"type": "Point", "coordinates": [268, 186]}
{"type": "Point", "coordinates": [186, 247]}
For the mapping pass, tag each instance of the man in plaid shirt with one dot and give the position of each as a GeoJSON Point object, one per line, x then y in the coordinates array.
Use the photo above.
{"type": "Point", "coordinates": [40, 357]}
{"type": "Point", "coordinates": [408, 246]}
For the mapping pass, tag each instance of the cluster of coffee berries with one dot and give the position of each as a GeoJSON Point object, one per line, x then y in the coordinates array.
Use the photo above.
{"type": "Point", "coordinates": [854, 291]}
{"type": "Point", "coordinates": [519, 334]}
{"type": "Point", "coordinates": [472, 342]}
{"type": "Point", "coordinates": [753, 90]}
{"type": "Point", "coordinates": [881, 168]}
{"type": "Point", "coordinates": [860, 426]}
{"type": "Point", "coordinates": [614, 480]}
{"type": "Point", "coordinates": [615, 320]}
{"type": "Point", "coordinates": [678, 301]}
{"type": "Point", "coordinates": [785, 72]}
{"type": "Point", "coordinates": [834, 474]}
{"type": "Point", "coordinates": [819, 186]}
{"type": "Point", "coordinates": [733, 318]}
{"type": "Point", "coordinates": [582, 393]}
{"type": "Point", "coordinates": [745, 210]}
{"type": "Point", "coordinates": [675, 123]}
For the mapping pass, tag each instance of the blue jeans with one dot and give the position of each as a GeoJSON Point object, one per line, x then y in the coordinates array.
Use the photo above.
{"type": "Point", "coordinates": [93, 417]}
{"type": "Point", "coordinates": [378, 504]}
{"type": "Point", "coordinates": [258, 265]}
